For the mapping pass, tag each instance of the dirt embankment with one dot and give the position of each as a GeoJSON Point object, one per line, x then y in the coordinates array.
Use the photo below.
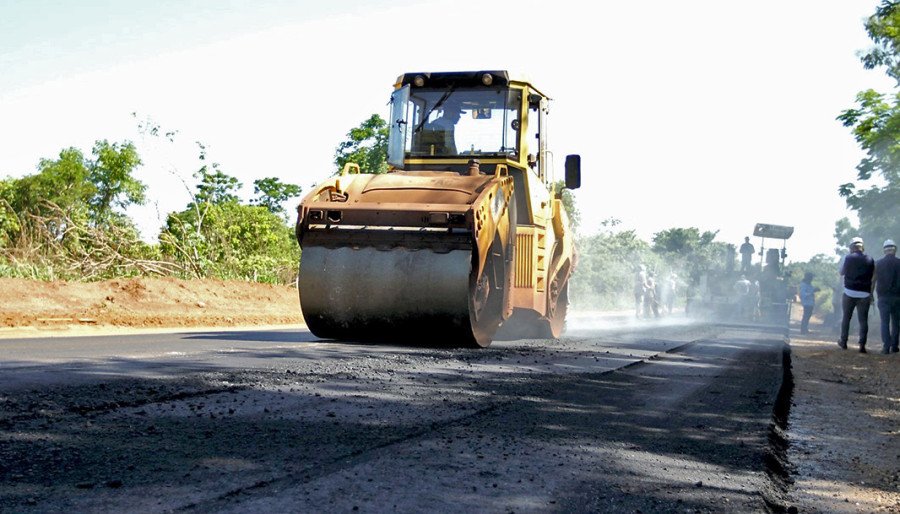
{"type": "Point", "coordinates": [144, 302]}
{"type": "Point", "coordinates": [844, 428]}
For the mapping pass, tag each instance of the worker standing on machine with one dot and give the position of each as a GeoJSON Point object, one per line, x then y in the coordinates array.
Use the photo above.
{"type": "Point", "coordinates": [746, 255]}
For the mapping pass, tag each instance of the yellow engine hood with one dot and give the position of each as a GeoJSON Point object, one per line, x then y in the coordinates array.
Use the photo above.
{"type": "Point", "coordinates": [420, 187]}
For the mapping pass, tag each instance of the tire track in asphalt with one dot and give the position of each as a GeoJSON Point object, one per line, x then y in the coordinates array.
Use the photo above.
{"type": "Point", "coordinates": [344, 461]}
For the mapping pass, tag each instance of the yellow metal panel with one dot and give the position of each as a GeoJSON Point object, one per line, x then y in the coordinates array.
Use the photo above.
{"type": "Point", "coordinates": [524, 259]}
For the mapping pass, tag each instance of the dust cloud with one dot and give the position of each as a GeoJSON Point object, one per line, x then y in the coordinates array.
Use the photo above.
{"type": "Point", "coordinates": [584, 321]}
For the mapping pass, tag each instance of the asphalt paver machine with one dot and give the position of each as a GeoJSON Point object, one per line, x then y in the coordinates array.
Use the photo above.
{"type": "Point", "coordinates": [775, 299]}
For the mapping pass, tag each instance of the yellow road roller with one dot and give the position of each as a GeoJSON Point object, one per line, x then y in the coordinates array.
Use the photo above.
{"type": "Point", "coordinates": [465, 236]}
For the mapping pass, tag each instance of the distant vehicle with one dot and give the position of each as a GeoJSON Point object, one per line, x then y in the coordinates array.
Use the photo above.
{"type": "Point", "coordinates": [774, 298]}
{"type": "Point", "coordinates": [721, 294]}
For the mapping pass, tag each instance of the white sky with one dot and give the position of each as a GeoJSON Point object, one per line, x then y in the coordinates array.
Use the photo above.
{"type": "Point", "coordinates": [711, 114]}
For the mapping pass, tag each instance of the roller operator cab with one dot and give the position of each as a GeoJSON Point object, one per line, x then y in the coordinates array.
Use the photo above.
{"type": "Point", "coordinates": [464, 236]}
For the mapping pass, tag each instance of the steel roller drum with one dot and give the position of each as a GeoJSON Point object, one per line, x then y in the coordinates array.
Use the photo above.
{"type": "Point", "coordinates": [398, 294]}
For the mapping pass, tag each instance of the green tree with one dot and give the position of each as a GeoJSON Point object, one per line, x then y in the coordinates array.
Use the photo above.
{"type": "Point", "coordinates": [66, 219]}
{"type": "Point", "coordinates": [366, 145]}
{"type": "Point", "coordinates": [875, 124]}
{"type": "Point", "coordinates": [604, 275]}
{"type": "Point", "coordinates": [884, 30]}
{"type": "Point", "coordinates": [63, 181]}
{"type": "Point", "coordinates": [216, 187]}
{"type": "Point", "coordinates": [9, 222]}
{"type": "Point", "coordinates": [111, 174]}
{"type": "Point", "coordinates": [217, 235]}
{"type": "Point", "coordinates": [81, 186]}
{"type": "Point", "coordinates": [682, 240]}
{"type": "Point", "coordinates": [844, 232]}
{"type": "Point", "coordinates": [692, 253]}
{"type": "Point", "coordinates": [188, 235]}
{"type": "Point", "coordinates": [231, 240]}
{"type": "Point", "coordinates": [271, 193]}
{"type": "Point", "coordinates": [75, 189]}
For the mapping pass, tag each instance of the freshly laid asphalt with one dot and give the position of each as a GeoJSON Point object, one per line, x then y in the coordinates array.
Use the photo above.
{"type": "Point", "coordinates": [617, 416]}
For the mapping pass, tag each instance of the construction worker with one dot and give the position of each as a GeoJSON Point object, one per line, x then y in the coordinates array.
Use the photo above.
{"type": "Point", "coordinates": [746, 255]}
{"type": "Point", "coordinates": [858, 271]}
{"type": "Point", "coordinates": [669, 290]}
{"type": "Point", "coordinates": [887, 291]}
{"type": "Point", "coordinates": [807, 293]}
{"type": "Point", "coordinates": [640, 286]}
{"type": "Point", "coordinates": [742, 291]}
{"type": "Point", "coordinates": [441, 132]}
{"type": "Point", "coordinates": [651, 303]}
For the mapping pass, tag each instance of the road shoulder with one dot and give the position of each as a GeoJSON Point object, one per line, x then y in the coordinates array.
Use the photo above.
{"type": "Point", "coordinates": [844, 429]}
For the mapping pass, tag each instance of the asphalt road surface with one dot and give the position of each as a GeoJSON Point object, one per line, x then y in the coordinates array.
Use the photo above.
{"type": "Point", "coordinates": [616, 416]}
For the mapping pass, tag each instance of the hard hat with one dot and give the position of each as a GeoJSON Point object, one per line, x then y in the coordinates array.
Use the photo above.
{"type": "Point", "coordinates": [889, 243]}
{"type": "Point", "coordinates": [452, 105]}
{"type": "Point", "coordinates": [856, 241]}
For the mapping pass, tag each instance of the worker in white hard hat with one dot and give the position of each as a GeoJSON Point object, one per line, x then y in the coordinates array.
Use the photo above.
{"type": "Point", "coordinates": [858, 271]}
{"type": "Point", "coordinates": [887, 292]}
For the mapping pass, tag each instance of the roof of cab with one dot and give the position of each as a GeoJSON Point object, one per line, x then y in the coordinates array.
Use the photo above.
{"type": "Point", "coordinates": [460, 78]}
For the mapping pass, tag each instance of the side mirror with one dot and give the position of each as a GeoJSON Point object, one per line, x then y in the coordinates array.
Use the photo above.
{"type": "Point", "coordinates": [573, 171]}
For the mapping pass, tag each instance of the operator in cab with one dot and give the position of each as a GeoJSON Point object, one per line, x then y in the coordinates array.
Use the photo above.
{"type": "Point", "coordinates": [441, 132]}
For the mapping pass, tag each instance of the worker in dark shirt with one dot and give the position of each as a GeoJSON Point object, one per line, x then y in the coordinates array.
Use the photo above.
{"type": "Point", "coordinates": [887, 292]}
{"type": "Point", "coordinates": [746, 255]}
{"type": "Point", "coordinates": [858, 270]}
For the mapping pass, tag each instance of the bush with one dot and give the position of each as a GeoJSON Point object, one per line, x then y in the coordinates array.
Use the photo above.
{"type": "Point", "coordinates": [231, 241]}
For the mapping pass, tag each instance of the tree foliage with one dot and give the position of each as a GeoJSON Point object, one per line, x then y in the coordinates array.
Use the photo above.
{"type": "Point", "coordinates": [84, 188]}
{"type": "Point", "coordinates": [9, 221]}
{"type": "Point", "coordinates": [111, 174]}
{"type": "Point", "coordinates": [231, 240]}
{"type": "Point", "coordinates": [366, 145]}
{"type": "Point", "coordinates": [682, 241]}
{"type": "Point", "coordinates": [68, 221]}
{"type": "Point", "coordinates": [68, 217]}
{"type": "Point", "coordinates": [272, 193]}
{"type": "Point", "coordinates": [875, 124]}
{"type": "Point", "coordinates": [883, 28]}
{"type": "Point", "coordinates": [217, 235]}
{"type": "Point", "coordinates": [607, 262]}
{"type": "Point", "coordinates": [692, 252]}
{"type": "Point", "coordinates": [844, 232]}
{"type": "Point", "coordinates": [214, 186]}
{"type": "Point", "coordinates": [64, 181]}
{"type": "Point", "coordinates": [569, 203]}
